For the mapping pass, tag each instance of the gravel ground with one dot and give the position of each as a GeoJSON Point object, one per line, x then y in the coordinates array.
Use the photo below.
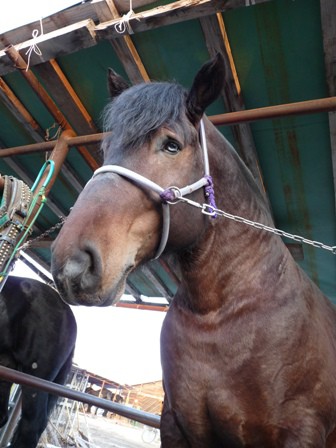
{"type": "Point", "coordinates": [108, 433]}
{"type": "Point", "coordinates": [91, 431]}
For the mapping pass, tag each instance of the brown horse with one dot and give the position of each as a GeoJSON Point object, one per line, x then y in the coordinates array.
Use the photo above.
{"type": "Point", "coordinates": [249, 342]}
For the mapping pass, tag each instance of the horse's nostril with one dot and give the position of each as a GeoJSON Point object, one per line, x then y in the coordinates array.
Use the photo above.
{"type": "Point", "coordinates": [83, 269]}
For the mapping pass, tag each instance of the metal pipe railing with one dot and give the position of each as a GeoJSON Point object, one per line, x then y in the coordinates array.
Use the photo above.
{"type": "Point", "coordinates": [56, 389]}
{"type": "Point", "coordinates": [278, 111]}
{"type": "Point", "coordinates": [230, 118]}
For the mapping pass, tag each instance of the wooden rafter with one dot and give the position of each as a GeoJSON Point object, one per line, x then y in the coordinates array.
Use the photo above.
{"type": "Point", "coordinates": [75, 35]}
{"type": "Point", "coordinates": [86, 10]}
{"type": "Point", "coordinates": [124, 47]}
{"type": "Point", "coordinates": [170, 14]}
{"type": "Point", "coordinates": [47, 101]}
{"type": "Point", "coordinates": [34, 130]}
{"type": "Point", "coordinates": [55, 81]}
{"type": "Point", "coordinates": [217, 41]}
{"type": "Point", "coordinates": [60, 41]}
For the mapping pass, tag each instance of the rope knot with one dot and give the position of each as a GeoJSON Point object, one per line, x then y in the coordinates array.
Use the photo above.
{"type": "Point", "coordinates": [168, 195]}
{"type": "Point", "coordinates": [210, 193]}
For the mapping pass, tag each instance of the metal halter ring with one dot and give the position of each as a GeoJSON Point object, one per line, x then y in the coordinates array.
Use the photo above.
{"type": "Point", "coordinates": [177, 193]}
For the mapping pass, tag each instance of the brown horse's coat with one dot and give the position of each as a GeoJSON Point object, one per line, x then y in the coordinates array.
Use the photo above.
{"type": "Point", "coordinates": [248, 345]}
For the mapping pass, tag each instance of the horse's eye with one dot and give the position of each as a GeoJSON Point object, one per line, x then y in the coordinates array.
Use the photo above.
{"type": "Point", "coordinates": [172, 147]}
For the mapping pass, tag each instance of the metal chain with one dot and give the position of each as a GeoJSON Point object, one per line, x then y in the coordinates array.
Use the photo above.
{"type": "Point", "coordinates": [212, 211]}
{"type": "Point", "coordinates": [43, 235]}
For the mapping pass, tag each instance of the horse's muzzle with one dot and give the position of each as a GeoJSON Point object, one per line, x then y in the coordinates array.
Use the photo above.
{"type": "Point", "coordinates": [78, 276]}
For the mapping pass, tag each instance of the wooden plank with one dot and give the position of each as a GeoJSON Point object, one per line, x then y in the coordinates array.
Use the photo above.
{"type": "Point", "coordinates": [125, 48]}
{"type": "Point", "coordinates": [172, 13]}
{"type": "Point", "coordinates": [122, 6]}
{"type": "Point", "coordinates": [18, 110]}
{"type": "Point", "coordinates": [54, 44]}
{"type": "Point", "coordinates": [23, 116]}
{"type": "Point", "coordinates": [87, 10]}
{"type": "Point", "coordinates": [328, 15]}
{"type": "Point", "coordinates": [81, 35]}
{"type": "Point", "coordinates": [67, 100]}
{"type": "Point", "coordinates": [51, 23]}
{"type": "Point", "coordinates": [217, 41]}
{"type": "Point", "coordinates": [130, 59]}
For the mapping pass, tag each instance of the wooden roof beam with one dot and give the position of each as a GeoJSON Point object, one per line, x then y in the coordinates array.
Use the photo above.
{"type": "Point", "coordinates": [217, 41]}
{"type": "Point", "coordinates": [84, 34]}
{"type": "Point", "coordinates": [86, 10]}
{"type": "Point", "coordinates": [59, 42]}
{"type": "Point", "coordinates": [170, 14]}
{"type": "Point", "coordinates": [23, 116]}
{"type": "Point", "coordinates": [67, 100]}
{"type": "Point", "coordinates": [124, 47]}
{"type": "Point", "coordinates": [19, 62]}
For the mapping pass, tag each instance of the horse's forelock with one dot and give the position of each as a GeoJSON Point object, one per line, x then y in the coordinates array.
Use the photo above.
{"type": "Point", "coordinates": [138, 112]}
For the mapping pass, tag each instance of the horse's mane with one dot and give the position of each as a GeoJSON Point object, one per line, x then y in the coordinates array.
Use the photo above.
{"type": "Point", "coordinates": [142, 109]}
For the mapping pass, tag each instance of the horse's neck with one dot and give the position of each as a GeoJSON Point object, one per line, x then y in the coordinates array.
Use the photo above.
{"type": "Point", "coordinates": [232, 259]}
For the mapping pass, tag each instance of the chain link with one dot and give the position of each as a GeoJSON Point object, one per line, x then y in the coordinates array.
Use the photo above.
{"type": "Point", "coordinates": [212, 211]}
{"type": "Point", "coordinates": [43, 235]}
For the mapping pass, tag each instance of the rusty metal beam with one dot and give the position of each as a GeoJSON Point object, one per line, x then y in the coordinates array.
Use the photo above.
{"type": "Point", "coordinates": [58, 156]}
{"type": "Point", "coordinates": [279, 111]}
{"type": "Point", "coordinates": [140, 306]}
{"type": "Point", "coordinates": [263, 113]}
{"type": "Point", "coordinates": [89, 139]}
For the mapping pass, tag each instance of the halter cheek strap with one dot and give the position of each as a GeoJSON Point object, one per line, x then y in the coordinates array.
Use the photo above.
{"type": "Point", "coordinates": [169, 195]}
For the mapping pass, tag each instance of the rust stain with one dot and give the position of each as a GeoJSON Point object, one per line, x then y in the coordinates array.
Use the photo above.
{"type": "Point", "coordinates": [290, 166]}
{"type": "Point", "coordinates": [294, 150]}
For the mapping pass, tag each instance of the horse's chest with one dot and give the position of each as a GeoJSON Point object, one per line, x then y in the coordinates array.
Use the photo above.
{"type": "Point", "coordinates": [204, 354]}
{"type": "Point", "coordinates": [216, 382]}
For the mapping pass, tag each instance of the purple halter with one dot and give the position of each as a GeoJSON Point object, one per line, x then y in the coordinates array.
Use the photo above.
{"type": "Point", "coordinates": [171, 194]}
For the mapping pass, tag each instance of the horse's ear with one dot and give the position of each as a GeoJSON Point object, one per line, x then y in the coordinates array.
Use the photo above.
{"type": "Point", "coordinates": [116, 84]}
{"type": "Point", "coordinates": [206, 87]}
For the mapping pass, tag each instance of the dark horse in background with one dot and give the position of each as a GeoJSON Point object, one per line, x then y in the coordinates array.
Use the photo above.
{"type": "Point", "coordinates": [103, 393]}
{"type": "Point", "coordinates": [248, 345]}
{"type": "Point", "coordinates": [37, 336]}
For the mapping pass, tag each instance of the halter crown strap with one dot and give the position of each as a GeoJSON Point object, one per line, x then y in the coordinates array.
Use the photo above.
{"type": "Point", "coordinates": [170, 194]}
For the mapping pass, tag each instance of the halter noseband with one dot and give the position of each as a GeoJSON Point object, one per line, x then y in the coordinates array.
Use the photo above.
{"type": "Point", "coordinates": [171, 194]}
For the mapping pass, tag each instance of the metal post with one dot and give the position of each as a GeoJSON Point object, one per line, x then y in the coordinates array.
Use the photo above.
{"type": "Point", "coordinates": [7, 431]}
{"type": "Point", "coordinates": [56, 389]}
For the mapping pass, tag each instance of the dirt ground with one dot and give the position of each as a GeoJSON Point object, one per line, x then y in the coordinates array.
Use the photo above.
{"type": "Point", "coordinates": [91, 431]}
{"type": "Point", "coordinates": [106, 433]}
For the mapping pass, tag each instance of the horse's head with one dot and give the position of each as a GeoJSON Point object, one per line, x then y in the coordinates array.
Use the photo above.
{"type": "Point", "coordinates": [116, 223]}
